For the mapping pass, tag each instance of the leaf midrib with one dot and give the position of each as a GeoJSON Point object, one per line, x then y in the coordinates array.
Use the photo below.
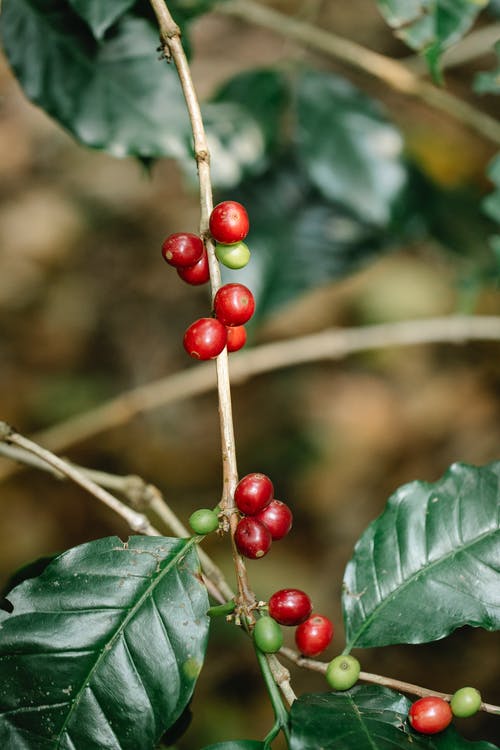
{"type": "Point", "coordinates": [376, 611]}
{"type": "Point", "coordinates": [131, 613]}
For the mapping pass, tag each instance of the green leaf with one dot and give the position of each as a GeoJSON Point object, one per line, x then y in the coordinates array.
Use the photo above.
{"type": "Point", "coordinates": [491, 204]}
{"type": "Point", "coordinates": [489, 82]}
{"type": "Point", "coordinates": [112, 94]}
{"type": "Point", "coordinates": [350, 152]}
{"type": "Point", "coordinates": [237, 745]}
{"type": "Point", "coordinates": [430, 563]}
{"type": "Point", "coordinates": [243, 122]}
{"type": "Point", "coordinates": [365, 718]}
{"type": "Point", "coordinates": [104, 648]}
{"type": "Point", "coordinates": [431, 25]}
{"type": "Point", "coordinates": [297, 239]}
{"type": "Point", "coordinates": [100, 15]}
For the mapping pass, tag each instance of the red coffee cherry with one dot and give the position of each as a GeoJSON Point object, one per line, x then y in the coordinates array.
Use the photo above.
{"type": "Point", "coordinates": [234, 304]}
{"type": "Point", "coordinates": [430, 715]}
{"type": "Point", "coordinates": [182, 249]}
{"type": "Point", "coordinates": [314, 635]}
{"type": "Point", "coordinates": [229, 222]}
{"type": "Point", "coordinates": [278, 518]}
{"type": "Point", "coordinates": [205, 338]}
{"type": "Point", "coordinates": [289, 606]}
{"type": "Point", "coordinates": [236, 338]}
{"type": "Point", "coordinates": [252, 538]}
{"type": "Point", "coordinates": [196, 274]}
{"type": "Point", "coordinates": [253, 493]}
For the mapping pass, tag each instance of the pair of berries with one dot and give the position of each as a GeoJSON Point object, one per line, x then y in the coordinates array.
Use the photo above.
{"type": "Point", "coordinates": [265, 519]}
{"type": "Point", "coordinates": [229, 226]}
{"type": "Point", "coordinates": [292, 607]}
{"type": "Point", "coordinates": [432, 714]}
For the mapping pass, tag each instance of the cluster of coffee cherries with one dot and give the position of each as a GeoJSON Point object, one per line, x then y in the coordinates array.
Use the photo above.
{"type": "Point", "coordinates": [263, 518]}
{"type": "Point", "coordinates": [292, 607]}
{"type": "Point", "coordinates": [233, 304]}
{"type": "Point", "coordinates": [432, 714]}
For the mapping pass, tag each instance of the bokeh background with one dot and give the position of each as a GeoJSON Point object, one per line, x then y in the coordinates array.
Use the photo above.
{"type": "Point", "coordinates": [88, 310]}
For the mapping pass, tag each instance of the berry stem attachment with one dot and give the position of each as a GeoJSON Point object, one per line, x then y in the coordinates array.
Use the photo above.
{"type": "Point", "coordinates": [170, 37]}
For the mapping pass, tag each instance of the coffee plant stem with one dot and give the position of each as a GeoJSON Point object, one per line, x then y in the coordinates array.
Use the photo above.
{"type": "Point", "coordinates": [137, 521]}
{"type": "Point", "coordinates": [376, 679]}
{"type": "Point", "coordinates": [279, 709]}
{"type": "Point", "coordinates": [172, 48]}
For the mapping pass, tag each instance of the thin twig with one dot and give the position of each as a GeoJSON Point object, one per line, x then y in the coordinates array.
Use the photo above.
{"type": "Point", "coordinates": [390, 71]}
{"type": "Point", "coordinates": [330, 344]}
{"type": "Point", "coordinates": [172, 47]}
{"type": "Point", "coordinates": [376, 679]}
{"type": "Point", "coordinates": [137, 522]}
{"type": "Point", "coordinates": [476, 44]}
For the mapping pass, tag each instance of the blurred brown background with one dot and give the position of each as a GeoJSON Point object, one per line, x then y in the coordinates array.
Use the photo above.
{"type": "Point", "coordinates": [88, 309]}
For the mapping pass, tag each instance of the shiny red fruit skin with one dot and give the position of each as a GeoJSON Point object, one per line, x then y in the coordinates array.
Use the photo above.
{"type": "Point", "coordinates": [229, 222]}
{"type": "Point", "coordinates": [253, 493]}
{"type": "Point", "coordinates": [182, 249]}
{"type": "Point", "coordinates": [314, 635]}
{"type": "Point", "coordinates": [252, 538]}
{"type": "Point", "coordinates": [205, 338]}
{"type": "Point", "coordinates": [289, 606]}
{"type": "Point", "coordinates": [234, 304]}
{"type": "Point", "coordinates": [236, 338]}
{"type": "Point", "coordinates": [430, 715]}
{"type": "Point", "coordinates": [198, 273]}
{"type": "Point", "coordinates": [278, 518]}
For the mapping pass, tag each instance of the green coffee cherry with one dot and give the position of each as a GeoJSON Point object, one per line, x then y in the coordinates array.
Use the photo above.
{"type": "Point", "coordinates": [203, 521]}
{"type": "Point", "coordinates": [343, 672]}
{"type": "Point", "coordinates": [267, 635]}
{"type": "Point", "coordinates": [465, 702]}
{"type": "Point", "coordinates": [232, 256]}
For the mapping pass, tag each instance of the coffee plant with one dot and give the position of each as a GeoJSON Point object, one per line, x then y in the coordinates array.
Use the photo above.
{"type": "Point", "coordinates": [102, 646]}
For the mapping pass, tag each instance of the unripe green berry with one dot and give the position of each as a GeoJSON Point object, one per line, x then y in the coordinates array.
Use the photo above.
{"type": "Point", "coordinates": [465, 702]}
{"type": "Point", "coordinates": [343, 672]}
{"type": "Point", "coordinates": [203, 521]}
{"type": "Point", "coordinates": [267, 635]}
{"type": "Point", "coordinates": [232, 256]}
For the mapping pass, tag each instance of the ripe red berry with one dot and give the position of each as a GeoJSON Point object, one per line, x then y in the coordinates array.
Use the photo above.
{"type": "Point", "coordinates": [289, 606]}
{"type": "Point", "coordinates": [314, 635]}
{"type": "Point", "coordinates": [236, 338]}
{"type": "Point", "coordinates": [197, 273]}
{"type": "Point", "coordinates": [430, 715]}
{"type": "Point", "coordinates": [205, 338]}
{"type": "Point", "coordinates": [253, 493]}
{"type": "Point", "coordinates": [229, 222]}
{"type": "Point", "coordinates": [278, 518]}
{"type": "Point", "coordinates": [182, 249]}
{"type": "Point", "coordinates": [234, 304]}
{"type": "Point", "coordinates": [252, 538]}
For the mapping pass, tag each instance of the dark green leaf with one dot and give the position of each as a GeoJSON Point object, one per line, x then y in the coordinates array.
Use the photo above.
{"type": "Point", "coordinates": [491, 204]}
{"type": "Point", "coordinates": [298, 240]}
{"type": "Point", "coordinates": [364, 718]}
{"type": "Point", "coordinates": [489, 82]}
{"type": "Point", "coordinates": [100, 15]}
{"type": "Point", "coordinates": [104, 648]}
{"type": "Point", "coordinates": [431, 27]}
{"type": "Point", "coordinates": [237, 745]}
{"type": "Point", "coordinates": [112, 94]}
{"type": "Point", "coordinates": [190, 8]}
{"type": "Point", "coordinates": [430, 563]}
{"type": "Point", "coordinates": [349, 150]}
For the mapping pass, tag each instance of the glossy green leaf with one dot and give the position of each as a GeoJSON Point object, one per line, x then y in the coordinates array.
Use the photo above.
{"type": "Point", "coordinates": [364, 718]}
{"type": "Point", "coordinates": [431, 26]}
{"type": "Point", "coordinates": [350, 152]}
{"type": "Point", "coordinates": [104, 648]}
{"type": "Point", "coordinates": [100, 15]}
{"type": "Point", "coordinates": [237, 745]}
{"type": "Point", "coordinates": [430, 563]}
{"type": "Point", "coordinates": [489, 81]}
{"type": "Point", "coordinates": [112, 94]}
{"type": "Point", "coordinates": [297, 239]}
